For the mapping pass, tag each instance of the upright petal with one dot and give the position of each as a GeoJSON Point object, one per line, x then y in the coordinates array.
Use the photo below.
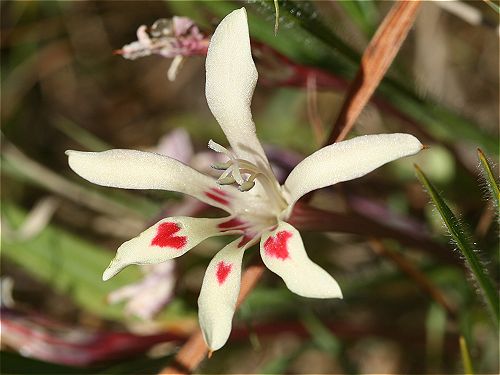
{"type": "Point", "coordinates": [167, 239]}
{"type": "Point", "coordinates": [219, 294]}
{"type": "Point", "coordinates": [347, 160]}
{"type": "Point", "coordinates": [282, 251]}
{"type": "Point", "coordinates": [231, 79]}
{"type": "Point", "coordinates": [131, 169]}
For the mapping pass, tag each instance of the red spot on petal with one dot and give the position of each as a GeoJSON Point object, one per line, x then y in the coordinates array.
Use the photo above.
{"type": "Point", "coordinates": [223, 270]}
{"type": "Point", "coordinates": [165, 236]}
{"type": "Point", "coordinates": [217, 198]}
{"type": "Point", "coordinates": [277, 246]}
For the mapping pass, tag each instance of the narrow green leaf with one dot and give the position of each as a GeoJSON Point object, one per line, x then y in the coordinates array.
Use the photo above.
{"type": "Point", "coordinates": [80, 135]}
{"type": "Point", "coordinates": [493, 6]}
{"type": "Point", "coordinates": [364, 13]}
{"type": "Point", "coordinates": [277, 17]}
{"type": "Point", "coordinates": [490, 178]}
{"type": "Point", "coordinates": [466, 361]}
{"type": "Point", "coordinates": [461, 238]}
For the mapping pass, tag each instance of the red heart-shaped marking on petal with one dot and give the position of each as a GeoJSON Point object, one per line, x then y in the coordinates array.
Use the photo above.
{"type": "Point", "coordinates": [223, 271]}
{"type": "Point", "coordinates": [277, 246]}
{"type": "Point", "coordinates": [165, 236]}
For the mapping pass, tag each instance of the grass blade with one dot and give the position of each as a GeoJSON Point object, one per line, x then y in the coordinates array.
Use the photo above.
{"type": "Point", "coordinates": [490, 178]}
{"type": "Point", "coordinates": [363, 13]}
{"type": "Point", "coordinates": [464, 351]}
{"type": "Point", "coordinates": [460, 237]}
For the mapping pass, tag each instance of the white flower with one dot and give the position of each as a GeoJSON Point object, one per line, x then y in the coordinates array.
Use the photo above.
{"type": "Point", "coordinates": [172, 38]}
{"type": "Point", "coordinates": [259, 214]}
{"type": "Point", "coordinates": [148, 296]}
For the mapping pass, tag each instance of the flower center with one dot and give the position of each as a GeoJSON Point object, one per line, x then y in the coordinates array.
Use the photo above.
{"type": "Point", "coordinates": [244, 174]}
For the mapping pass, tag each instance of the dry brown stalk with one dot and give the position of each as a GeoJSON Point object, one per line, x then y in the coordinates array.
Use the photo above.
{"type": "Point", "coordinates": [312, 109]}
{"type": "Point", "coordinates": [374, 63]}
{"type": "Point", "coordinates": [376, 59]}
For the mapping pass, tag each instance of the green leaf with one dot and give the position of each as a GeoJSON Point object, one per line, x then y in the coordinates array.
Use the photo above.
{"type": "Point", "coordinates": [493, 6]}
{"type": "Point", "coordinates": [461, 238]}
{"type": "Point", "coordinates": [67, 263]}
{"type": "Point", "coordinates": [364, 13]}
{"type": "Point", "coordinates": [466, 361]}
{"type": "Point", "coordinates": [80, 135]}
{"type": "Point", "coordinates": [491, 180]}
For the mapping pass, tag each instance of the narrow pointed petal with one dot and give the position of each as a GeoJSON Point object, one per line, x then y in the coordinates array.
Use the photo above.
{"type": "Point", "coordinates": [131, 169]}
{"type": "Point", "coordinates": [167, 239]}
{"type": "Point", "coordinates": [347, 160]}
{"type": "Point", "coordinates": [231, 79]}
{"type": "Point", "coordinates": [282, 251]}
{"type": "Point", "coordinates": [219, 293]}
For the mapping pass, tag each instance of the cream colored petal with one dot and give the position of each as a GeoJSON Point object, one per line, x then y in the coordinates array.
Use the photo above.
{"type": "Point", "coordinates": [167, 239]}
{"type": "Point", "coordinates": [131, 169]}
{"type": "Point", "coordinates": [219, 293]}
{"type": "Point", "coordinates": [231, 79]}
{"type": "Point", "coordinates": [347, 160]}
{"type": "Point", "coordinates": [282, 251]}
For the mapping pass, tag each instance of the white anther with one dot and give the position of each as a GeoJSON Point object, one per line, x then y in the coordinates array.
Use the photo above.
{"type": "Point", "coordinates": [227, 172]}
{"type": "Point", "coordinates": [221, 166]}
{"type": "Point", "coordinates": [228, 180]}
{"type": "Point", "coordinates": [247, 185]}
{"type": "Point", "coordinates": [218, 148]}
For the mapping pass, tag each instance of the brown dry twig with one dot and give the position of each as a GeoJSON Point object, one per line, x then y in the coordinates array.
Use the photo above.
{"type": "Point", "coordinates": [375, 61]}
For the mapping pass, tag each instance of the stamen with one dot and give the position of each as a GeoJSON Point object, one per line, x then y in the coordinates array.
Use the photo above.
{"type": "Point", "coordinates": [247, 185]}
{"type": "Point", "coordinates": [218, 148]}
{"type": "Point", "coordinates": [229, 180]}
{"type": "Point", "coordinates": [237, 174]}
{"type": "Point", "coordinates": [235, 167]}
{"type": "Point", "coordinates": [221, 166]}
{"type": "Point", "coordinates": [227, 172]}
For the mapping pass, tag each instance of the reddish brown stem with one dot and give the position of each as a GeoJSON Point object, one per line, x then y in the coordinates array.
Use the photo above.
{"type": "Point", "coordinates": [308, 218]}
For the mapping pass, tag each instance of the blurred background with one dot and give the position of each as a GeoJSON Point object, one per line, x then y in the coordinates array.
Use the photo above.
{"type": "Point", "coordinates": [406, 304]}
